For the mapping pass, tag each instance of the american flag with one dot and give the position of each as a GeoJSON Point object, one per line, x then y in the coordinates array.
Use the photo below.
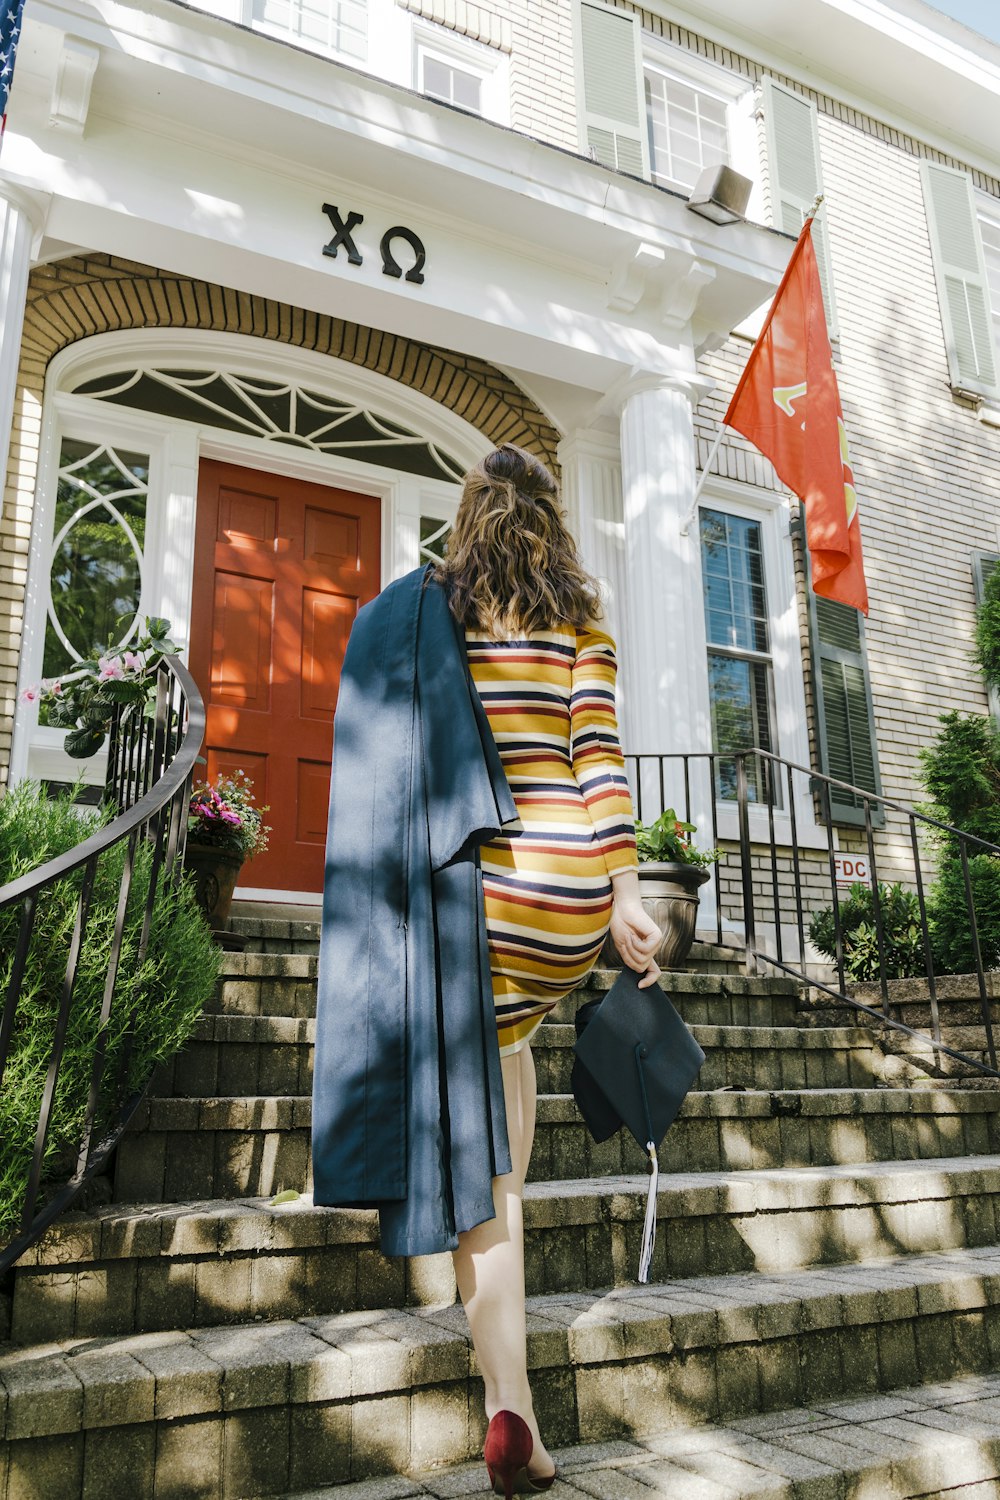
{"type": "Point", "coordinates": [10, 31]}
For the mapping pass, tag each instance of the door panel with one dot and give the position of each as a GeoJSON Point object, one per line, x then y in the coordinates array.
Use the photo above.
{"type": "Point", "coordinates": [282, 568]}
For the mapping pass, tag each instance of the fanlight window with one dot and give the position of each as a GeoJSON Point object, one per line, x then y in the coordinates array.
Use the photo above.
{"type": "Point", "coordinates": [434, 536]}
{"type": "Point", "coordinates": [96, 561]}
{"type": "Point", "coordinates": [278, 411]}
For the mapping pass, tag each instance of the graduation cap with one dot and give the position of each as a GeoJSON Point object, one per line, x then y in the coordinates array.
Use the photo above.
{"type": "Point", "coordinates": [635, 1062]}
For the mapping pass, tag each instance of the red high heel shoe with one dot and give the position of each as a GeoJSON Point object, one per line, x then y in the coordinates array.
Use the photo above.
{"type": "Point", "coordinates": [507, 1452]}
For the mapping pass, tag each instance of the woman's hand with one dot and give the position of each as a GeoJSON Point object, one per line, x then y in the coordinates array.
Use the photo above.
{"type": "Point", "coordinates": [636, 936]}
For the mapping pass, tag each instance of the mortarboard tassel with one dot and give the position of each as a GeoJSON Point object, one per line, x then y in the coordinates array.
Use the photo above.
{"type": "Point", "coordinates": [649, 1227]}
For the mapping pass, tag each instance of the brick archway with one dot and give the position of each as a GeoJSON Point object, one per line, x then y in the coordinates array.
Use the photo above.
{"type": "Point", "coordinates": [83, 295]}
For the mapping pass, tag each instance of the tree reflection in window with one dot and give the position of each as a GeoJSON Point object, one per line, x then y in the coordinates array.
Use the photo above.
{"type": "Point", "coordinates": [95, 571]}
{"type": "Point", "coordinates": [739, 648]}
{"type": "Point", "coordinates": [434, 536]}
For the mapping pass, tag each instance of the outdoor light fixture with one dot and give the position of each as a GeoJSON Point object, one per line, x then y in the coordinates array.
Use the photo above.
{"type": "Point", "coordinates": [720, 194]}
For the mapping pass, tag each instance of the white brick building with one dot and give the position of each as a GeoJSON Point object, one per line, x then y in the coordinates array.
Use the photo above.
{"type": "Point", "coordinates": [170, 178]}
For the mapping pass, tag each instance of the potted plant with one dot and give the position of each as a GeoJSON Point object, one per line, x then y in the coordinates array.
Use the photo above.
{"type": "Point", "coordinates": [225, 829]}
{"type": "Point", "coordinates": [671, 871]}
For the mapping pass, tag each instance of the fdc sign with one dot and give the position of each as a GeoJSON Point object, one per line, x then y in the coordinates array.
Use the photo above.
{"type": "Point", "coordinates": [852, 869]}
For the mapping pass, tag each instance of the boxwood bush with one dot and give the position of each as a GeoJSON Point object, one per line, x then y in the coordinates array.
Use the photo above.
{"type": "Point", "coordinates": [167, 991]}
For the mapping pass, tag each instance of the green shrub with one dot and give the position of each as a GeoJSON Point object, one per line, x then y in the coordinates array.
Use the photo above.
{"type": "Point", "coordinates": [948, 914]}
{"type": "Point", "coordinates": [961, 771]}
{"type": "Point", "coordinates": [903, 943]}
{"type": "Point", "coordinates": [167, 991]}
{"type": "Point", "coordinates": [988, 630]}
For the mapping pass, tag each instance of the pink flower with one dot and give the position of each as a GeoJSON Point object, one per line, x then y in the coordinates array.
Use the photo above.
{"type": "Point", "coordinates": [32, 694]}
{"type": "Point", "coordinates": [134, 661]}
{"type": "Point", "coordinates": [110, 668]}
{"type": "Point", "coordinates": [52, 686]}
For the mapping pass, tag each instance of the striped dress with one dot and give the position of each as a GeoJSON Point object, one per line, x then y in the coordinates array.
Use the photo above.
{"type": "Point", "coordinates": [550, 698]}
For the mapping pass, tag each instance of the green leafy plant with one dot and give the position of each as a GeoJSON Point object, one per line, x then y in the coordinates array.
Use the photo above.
{"type": "Point", "coordinates": [948, 914]}
{"type": "Point", "coordinates": [903, 942]}
{"type": "Point", "coordinates": [667, 840]}
{"type": "Point", "coordinates": [961, 772]}
{"type": "Point", "coordinates": [83, 701]}
{"type": "Point", "coordinates": [166, 991]}
{"type": "Point", "coordinates": [987, 653]}
{"type": "Point", "coordinates": [224, 814]}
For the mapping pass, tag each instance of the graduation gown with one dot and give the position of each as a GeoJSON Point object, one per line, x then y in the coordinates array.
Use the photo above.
{"type": "Point", "coordinates": [408, 1111]}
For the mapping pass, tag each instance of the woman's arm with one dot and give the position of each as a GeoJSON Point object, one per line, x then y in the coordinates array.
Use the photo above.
{"type": "Point", "coordinates": [633, 931]}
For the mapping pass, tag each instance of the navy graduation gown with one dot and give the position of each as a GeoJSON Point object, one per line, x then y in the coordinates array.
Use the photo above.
{"type": "Point", "coordinates": [408, 1109]}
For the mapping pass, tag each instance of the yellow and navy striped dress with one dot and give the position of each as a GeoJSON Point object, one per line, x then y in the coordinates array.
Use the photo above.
{"type": "Point", "coordinates": [550, 698]}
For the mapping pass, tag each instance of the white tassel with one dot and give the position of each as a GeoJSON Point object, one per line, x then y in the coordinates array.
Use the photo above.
{"type": "Point", "coordinates": [649, 1227]}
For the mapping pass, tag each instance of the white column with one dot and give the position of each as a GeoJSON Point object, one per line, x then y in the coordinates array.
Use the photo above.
{"type": "Point", "coordinates": [664, 671]}
{"type": "Point", "coordinates": [592, 493]}
{"type": "Point", "coordinates": [18, 227]}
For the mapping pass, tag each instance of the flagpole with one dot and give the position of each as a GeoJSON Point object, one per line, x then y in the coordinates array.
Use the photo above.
{"type": "Point", "coordinates": [814, 210]}
{"type": "Point", "coordinates": [717, 444]}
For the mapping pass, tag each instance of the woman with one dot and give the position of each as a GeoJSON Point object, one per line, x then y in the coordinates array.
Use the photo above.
{"type": "Point", "coordinates": [480, 844]}
{"type": "Point", "coordinates": [546, 678]}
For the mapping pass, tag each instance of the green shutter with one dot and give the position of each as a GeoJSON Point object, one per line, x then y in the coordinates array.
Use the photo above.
{"type": "Point", "coordinates": [960, 270]}
{"type": "Point", "coordinates": [796, 176]}
{"type": "Point", "coordinates": [984, 564]}
{"type": "Point", "coordinates": [612, 96]}
{"type": "Point", "coordinates": [843, 704]}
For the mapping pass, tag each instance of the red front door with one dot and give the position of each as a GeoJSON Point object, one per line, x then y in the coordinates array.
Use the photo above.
{"type": "Point", "coordinates": [281, 570]}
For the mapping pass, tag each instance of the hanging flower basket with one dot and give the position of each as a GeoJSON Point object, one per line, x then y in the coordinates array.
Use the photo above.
{"type": "Point", "coordinates": [225, 829]}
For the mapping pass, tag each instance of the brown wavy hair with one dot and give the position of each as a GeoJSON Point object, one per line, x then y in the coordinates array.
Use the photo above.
{"type": "Point", "coordinates": [512, 566]}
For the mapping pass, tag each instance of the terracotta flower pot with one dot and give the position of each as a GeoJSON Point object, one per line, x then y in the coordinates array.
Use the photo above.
{"type": "Point", "coordinates": [669, 892]}
{"type": "Point", "coordinates": [215, 872]}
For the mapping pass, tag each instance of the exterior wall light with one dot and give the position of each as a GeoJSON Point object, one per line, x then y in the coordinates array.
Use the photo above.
{"type": "Point", "coordinates": [720, 194]}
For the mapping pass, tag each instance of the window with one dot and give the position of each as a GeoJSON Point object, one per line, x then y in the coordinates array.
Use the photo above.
{"type": "Point", "coordinates": [96, 560]}
{"type": "Point", "coordinates": [688, 128]}
{"type": "Point", "coordinates": [737, 631]}
{"type": "Point", "coordinates": [338, 26]}
{"type": "Point", "coordinates": [461, 71]}
{"type": "Point", "coordinates": [989, 229]}
{"type": "Point", "coordinates": [451, 84]}
{"type": "Point", "coordinates": [434, 535]}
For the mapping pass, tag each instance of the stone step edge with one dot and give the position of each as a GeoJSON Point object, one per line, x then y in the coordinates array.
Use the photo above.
{"type": "Point", "coordinates": [302, 966]}
{"type": "Point", "coordinates": [278, 1030]}
{"type": "Point", "coordinates": [294, 1111]}
{"type": "Point", "coordinates": [82, 1383]}
{"type": "Point", "coordinates": [919, 1440]}
{"type": "Point", "coordinates": [215, 1226]}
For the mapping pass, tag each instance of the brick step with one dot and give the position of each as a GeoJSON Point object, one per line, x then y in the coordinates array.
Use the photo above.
{"type": "Point", "coordinates": [925, 1442]}
{"type": "Point", "coordinates": [121, 1269]}
{"type": "Point", "coordinates": [953, 1011]}
{"type": "Point", "coordinates": [233, 1054]}
{"type": "Point", "coordinates": [265, 1408]}
{"type": "Point", "coordinates": [176, 1149]}
{"type": "Point", "coordinates": [285, 985]}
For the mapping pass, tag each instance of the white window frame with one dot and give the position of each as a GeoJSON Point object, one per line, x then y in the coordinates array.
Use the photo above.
{"type": "Point", "coordinates": [489, 64]}
{"type": "Point", "coordinates": [988, 211]}
{"type": "Point", "coordinates": [735, 91]}
{"type": "Point", "coordinates": [772, 511]}
{"type": "Point", "coordinates": [247, 19]}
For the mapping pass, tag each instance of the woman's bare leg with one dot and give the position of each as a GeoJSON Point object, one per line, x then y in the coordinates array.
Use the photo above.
{"type": "Point", "coordinates": [489, 1266]}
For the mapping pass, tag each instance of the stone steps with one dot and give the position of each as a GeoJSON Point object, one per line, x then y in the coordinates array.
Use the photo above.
{"type": "Point", "coordinates": [238, 1054]}
{"type": "Point", "coordinates": [121, 1269]}
{"type": "Point", "coordinates": [255, 1146]}
{"type": "Point", "coordinates": [254, 984]}
{"type": "Point", "coordinates": [926, 1442]}
{"type": "Point", "coordinates": [269, 1407]}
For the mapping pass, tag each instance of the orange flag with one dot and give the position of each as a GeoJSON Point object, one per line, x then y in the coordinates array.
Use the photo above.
{"type": "Point", "coordinates": [788, 405]}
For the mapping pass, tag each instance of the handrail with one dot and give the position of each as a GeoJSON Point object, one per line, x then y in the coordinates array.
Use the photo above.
{"type": "Point", "coordinates": [151, 760]}
{"type": "Point", "coordinates": [767, 898]}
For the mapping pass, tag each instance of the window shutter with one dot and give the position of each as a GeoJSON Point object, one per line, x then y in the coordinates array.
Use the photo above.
{"type": "Point", "coordinates": [796, 176]}
{"type": "Point", "coordinates": [963, 291]}
{"type": "Point", "coordinates": [984, 564]}
{"type": "Point", "coordinates": [843, 703]}
{"type": "Point", "coordinates": [609, 72]}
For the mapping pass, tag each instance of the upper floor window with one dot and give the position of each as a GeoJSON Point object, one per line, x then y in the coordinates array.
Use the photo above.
{"type": "Point", "coordinates": [964, 230]}
{"type": "Point", "coordinates": [459, 70]}
{"type": "Point", "coordinates": [687, 129]}
{"type": "Point", "coordinates": [338, 26]}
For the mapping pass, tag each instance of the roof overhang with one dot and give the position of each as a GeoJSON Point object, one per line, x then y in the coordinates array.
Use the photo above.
{"type": "Point", "coordinates": [210, 150]}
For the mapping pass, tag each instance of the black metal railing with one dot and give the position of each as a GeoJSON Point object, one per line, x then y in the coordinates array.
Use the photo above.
{"type": "Point", "coordinates": [151, 759]}
{"type": "Point", "coordinates": [773, 821]}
